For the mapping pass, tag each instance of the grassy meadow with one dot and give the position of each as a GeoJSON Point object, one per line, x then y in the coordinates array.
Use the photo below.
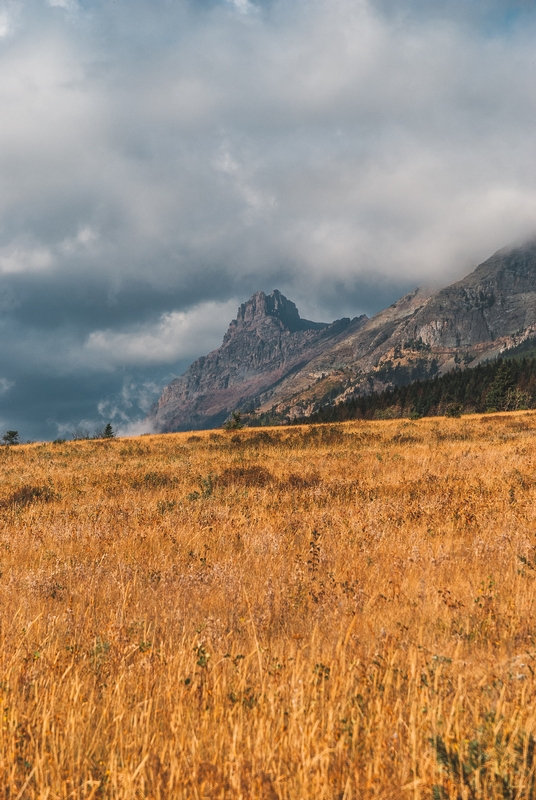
{"type": "Point", "coordinates": [341, 611]}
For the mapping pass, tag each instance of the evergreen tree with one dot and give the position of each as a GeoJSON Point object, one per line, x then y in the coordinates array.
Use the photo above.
{"type": "Point", "coordinates": [498, 394]}
{"type": "Point", "coordinates": [234, 423]}
{"type": "Point", "coordinates": [108, 432]}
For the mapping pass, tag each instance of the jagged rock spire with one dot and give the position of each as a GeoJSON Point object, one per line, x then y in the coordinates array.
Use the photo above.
{"type": "Point", "coordinates": [261, 306]}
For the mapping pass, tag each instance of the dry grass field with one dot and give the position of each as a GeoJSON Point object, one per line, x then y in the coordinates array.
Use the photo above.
{"type": "Point", "coordinates": [332, 612]}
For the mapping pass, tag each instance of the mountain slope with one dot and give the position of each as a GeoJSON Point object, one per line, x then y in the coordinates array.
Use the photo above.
{"type": "Point", "coordinates": [273, 363]}
{"type": "Point", "coordinates": [507, 383]}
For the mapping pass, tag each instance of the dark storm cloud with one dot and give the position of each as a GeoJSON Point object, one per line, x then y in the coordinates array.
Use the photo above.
{"type": "Point", "coordinates": [160, 161]}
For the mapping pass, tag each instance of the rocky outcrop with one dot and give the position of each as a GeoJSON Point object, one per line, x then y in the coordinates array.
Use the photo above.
{"type": "Point", "coordinates": [497, 300]}
{"type": "Point", "coordinates": [273, 361]}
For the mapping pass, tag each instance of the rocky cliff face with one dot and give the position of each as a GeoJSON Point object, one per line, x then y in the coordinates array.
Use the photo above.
{"type": "Point", "coordinates": [273, 361]}
{"type": "Point", "coordinates": [266, 343]}
{"type": "Point", "coordinates": [497, 300]}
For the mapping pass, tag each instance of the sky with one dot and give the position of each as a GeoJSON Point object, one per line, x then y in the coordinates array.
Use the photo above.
{"type": "Point", "coordinates": [161, 160]}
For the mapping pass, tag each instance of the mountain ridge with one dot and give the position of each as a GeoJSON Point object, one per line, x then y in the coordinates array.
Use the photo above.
{"type": "Point", "coordinates": [273, 362]}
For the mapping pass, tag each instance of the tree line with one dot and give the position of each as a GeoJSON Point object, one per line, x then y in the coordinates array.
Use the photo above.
{"type": "Point", "coordinates": [505, 384]}
{"type": "Point", "coordinates": [11, 437]}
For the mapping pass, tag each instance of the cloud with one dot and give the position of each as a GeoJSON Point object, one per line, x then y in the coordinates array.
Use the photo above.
{"type": "Point", "coordinates": [124, 408]}
{"type": "Point", "coordinates": [24, 260]}
{"type": "Point", "coordinates": [176, 335]}
{"type": "Point", "coordinates": [4, 24]}
{"type": "Point", "coordinates": [242, 6]}
{"type": "Point", "coordinates": [67, 4]}
{"type": "Point", "coordinates": [161, 161]}
{"type": "Point", "coordinates": [5, 385]}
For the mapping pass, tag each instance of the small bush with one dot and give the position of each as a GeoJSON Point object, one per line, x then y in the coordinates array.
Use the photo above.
{"type": "Point", "coordinates": [297, 481]}
{"type": "Point", "coordinates": [154, 480]}
{"type": "Point", "coordinates": [27, 495]}
{"type": "Point", "coordinates": [80, 435]}
{"type": "Point", "coordinates": [245, 476]}
{"type": "Point", "coordinates": [234, 423]}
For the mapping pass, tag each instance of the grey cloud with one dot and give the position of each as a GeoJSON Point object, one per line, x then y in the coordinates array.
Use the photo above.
{"type": "Point", "coordinates": [158, 158]}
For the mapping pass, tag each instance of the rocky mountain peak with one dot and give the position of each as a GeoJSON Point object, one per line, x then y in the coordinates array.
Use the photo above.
{"type": "Point", "coordinates": [267, 342]}
{"type": "Point", "coordinates": [263, 307]}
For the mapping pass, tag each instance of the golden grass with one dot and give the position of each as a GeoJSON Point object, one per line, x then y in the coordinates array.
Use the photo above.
{"type": "Point", "coordinates": [333, 612]}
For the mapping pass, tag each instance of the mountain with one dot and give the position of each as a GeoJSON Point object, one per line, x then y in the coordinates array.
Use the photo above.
{"type": "Point", "coordinates": [274, 365]}
{"type": "Point", "coordinates": [263, 347]}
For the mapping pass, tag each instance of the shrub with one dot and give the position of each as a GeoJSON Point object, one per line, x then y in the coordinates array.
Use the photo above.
{"type": "Point", "coordinates": [453, 410]}
{"type": "Point", "coordinates": [27, 495]}
{"type": "Point", "coordinates": [11, 437]}
{"type": "Point", "coordinates": [245, 476]}
{"type": "Point", "coordinates": [234, 423]}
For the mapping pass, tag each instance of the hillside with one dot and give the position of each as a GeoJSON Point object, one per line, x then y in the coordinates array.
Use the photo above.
{"type": "Point", "coordinates": [303, 612]}
{"type": "Point", "coordinates": [273, 363]}
{"type": "Point", "coordinates": [503, 384]}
